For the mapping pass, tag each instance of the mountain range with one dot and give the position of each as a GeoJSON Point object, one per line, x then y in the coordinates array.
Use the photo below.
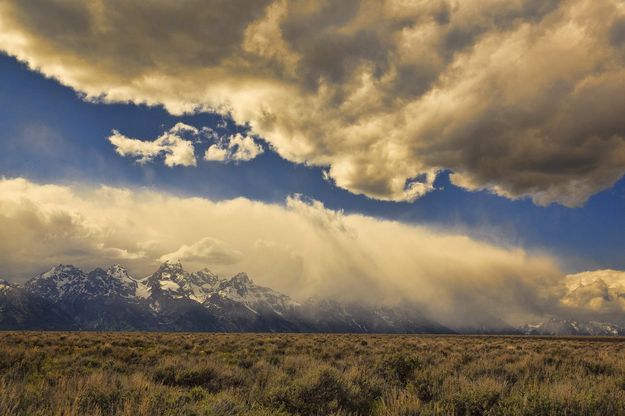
{"type": "Point", "coordinates": [172, 299]}
{"type": "Point", "coordinates": [573, 327]}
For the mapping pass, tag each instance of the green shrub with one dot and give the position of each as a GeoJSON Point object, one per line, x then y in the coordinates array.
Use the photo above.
{"type": "Point", "coordinates": [399, 367]}
{"type": "Point", "coordinates": [318, 392]}
{"type": "Point", "coordinates": [103, 399]}
{"type": "Point", "coordinates": [117, 374]}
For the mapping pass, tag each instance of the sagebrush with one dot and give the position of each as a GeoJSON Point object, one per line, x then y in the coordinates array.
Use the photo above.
{"type": "Point", "coordinates": [58, 373]}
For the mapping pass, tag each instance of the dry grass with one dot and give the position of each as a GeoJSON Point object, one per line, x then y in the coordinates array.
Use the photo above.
{"type": "Point", "coordinates": [281, 374]}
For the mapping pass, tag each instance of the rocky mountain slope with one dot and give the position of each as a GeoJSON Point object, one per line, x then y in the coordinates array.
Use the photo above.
{"type": "Point", "coordinates": [572, 327]}
{"type": "Point", "coordinates": [172, 299]}
{"type": "Point", "coordinates": [20, 309]}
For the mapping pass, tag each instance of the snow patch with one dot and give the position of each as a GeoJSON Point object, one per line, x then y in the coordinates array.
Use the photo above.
{"type": "Point", "coordinates": [169, 285]}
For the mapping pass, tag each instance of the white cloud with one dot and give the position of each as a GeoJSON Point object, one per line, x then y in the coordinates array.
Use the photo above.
{"type": "Point", "coordinates": [183, 128]}
{"type": "Point", "coordinates": [233, 148]}
{"type": "Point", "coordinates": [145, 151]}
{"type": "Point", "coordinates": [316, 213]}
{"type": "Point", "coordinates": [597, 292]}
{"type": "Point", "coordinates": [216, 154]}
{"type": "Point", "coordinates": [208, 250]}
{"type": "Point", "coordinates": [245, 148]}
{"type": "Point", "coordinates": [177, 151]}
{"type": "Point", "coordinates": [522, 98]}
{"type": "Point", "coordinates": [301, 248]}
{"type": "Point", "coordinates": [180, 151]}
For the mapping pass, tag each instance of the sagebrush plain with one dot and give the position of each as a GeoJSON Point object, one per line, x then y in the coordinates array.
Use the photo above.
{"type": "Point", "coordinates": [59, 373]}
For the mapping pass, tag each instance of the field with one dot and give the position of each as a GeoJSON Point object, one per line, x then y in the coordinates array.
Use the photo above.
{"type": "Point", "coordinates": [57, 373]}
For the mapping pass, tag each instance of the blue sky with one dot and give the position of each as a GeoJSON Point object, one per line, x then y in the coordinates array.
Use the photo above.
{"type": "Point", "coordinates": [49, 134]}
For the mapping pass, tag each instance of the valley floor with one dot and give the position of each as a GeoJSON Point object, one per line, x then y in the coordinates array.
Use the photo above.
{"type": "Point", "coordinates": [70, 373]}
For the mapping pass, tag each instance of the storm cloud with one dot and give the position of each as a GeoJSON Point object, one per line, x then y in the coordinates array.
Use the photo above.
{"type": "Point", "coordinates": [300, 248]}
{"type": "Point", "coordinates": [522, 98]}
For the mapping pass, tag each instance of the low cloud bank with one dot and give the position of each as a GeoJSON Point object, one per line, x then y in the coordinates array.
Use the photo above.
{"type": "Point", "coordinates": [300, 248]}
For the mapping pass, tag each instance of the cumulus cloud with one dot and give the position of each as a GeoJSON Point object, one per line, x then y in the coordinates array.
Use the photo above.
{"type": "Point", "coordinates": [233, 148]}
{"type": "Point", "coordinates": [177, 145]}
{"type": "Point", "coordinates": [180, 128]}
{"type": "Point", "coordinates": [208, 250]}
{"type": "Point", "coordinates": [599, 293]}
{"type": "Point", "coordinates": [177, 151]}
{"type": "Point", "coordinates": [300, 248]}
{"type": "Point", "coordinates": [521, 98]}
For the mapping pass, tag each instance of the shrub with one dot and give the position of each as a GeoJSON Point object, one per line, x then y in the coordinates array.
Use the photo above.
{"type": "Point", "coordinates": [475, 397]}
{"type": "Point", "coordinates": [399, 367]}
{"type": "Point", "coordinates": [103, 399]}
{"type": "Point", "coordinates": [260, 375]}
{"type": "Point", "coordinates": [319, 392]}
{"type": "Point", "coordinates": [399, 403]}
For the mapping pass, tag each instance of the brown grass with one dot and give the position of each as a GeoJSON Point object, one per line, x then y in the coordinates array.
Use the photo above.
{"type": "Point", "coordinates": [56, 373]}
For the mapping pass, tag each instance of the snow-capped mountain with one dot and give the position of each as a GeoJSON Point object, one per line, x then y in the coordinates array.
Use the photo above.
{"type": "Point", "coordinates": [65, 282]}
{"type": "Point", "coordinates": [236, 303]}
{"type": "Point", "coordinates": [171, 280]}
{"type": "Point", "coordinates": [172, 299]}
{"type": "Point", "coordinates": [117, 281]}
{"type": "Point", "coordinates": [240, 288]}
{"type": "Point", "coordinates": [204, 301]}
{"type": "Point", "coordinates": [20, 309]}
{"type": "Point", "coordinates": [573, 327]}
{"type": "Point", "coordinates": [58, 283]}
{"type": "Point", "coordinates": [334, 316]}
{"type": "Point", "coordinates": [99, 300]}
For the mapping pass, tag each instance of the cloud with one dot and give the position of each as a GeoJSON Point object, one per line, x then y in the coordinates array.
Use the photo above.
{"type": "Point", "coordinates": [233, 148]}
{"type": "Point", "coordinates": [183, 128]}
{"type": "Point", "coordinates": [599, 293]}
{"type": "Point", "coordinates": [177, 145]}
{"type": "Point", "coordinates": [208, 250]}
{"type": "Point", "coordinates": [177, 150]}
{"type": "Point", "coordinates": [216, 154]}
{"type": "Point", "coordinates": [315, 212]}
{"type": "Point", "coordinates": [521, 98]}
{"type": "Point", "coordinates": [301, 248]}
{"type": "Point", "coordinates": [33, 233]}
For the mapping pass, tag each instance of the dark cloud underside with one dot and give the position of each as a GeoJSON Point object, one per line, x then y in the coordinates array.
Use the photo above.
{"type": "Point", "coordinates": [523, 98]}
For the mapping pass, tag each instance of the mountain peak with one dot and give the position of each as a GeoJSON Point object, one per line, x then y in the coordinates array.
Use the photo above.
{"type": "Point", "coordinates": [206, 271]}
{"type": "Point", "coordinates": [62, 271]}
{"type": "Point", "coordinates": [67, 268]}
{"type": "Point", "coordinates": [169, 271]}
{"type": "Point", "coordinates": [561, 326]}
{"type": "Point", "coordinates": [170, 279]}
{"type": "Point", "coordinates": [205, 277]}
{"type": "Point", "coordinates": [117, 267]}
{"type": "Point", "coordinates": [171, 266]}
{"type": "Point", "coordinates": [174, 300]}
{"type": "Point", "coordinates": [59, 281]}
{"type": "Point", "coordinates": [241, 278]}
{"type": "Point", "coordinates": [119, 272]}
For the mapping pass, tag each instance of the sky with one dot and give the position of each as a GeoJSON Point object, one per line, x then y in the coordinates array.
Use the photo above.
{"type": "Point", "coordinates": [420, 148]}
